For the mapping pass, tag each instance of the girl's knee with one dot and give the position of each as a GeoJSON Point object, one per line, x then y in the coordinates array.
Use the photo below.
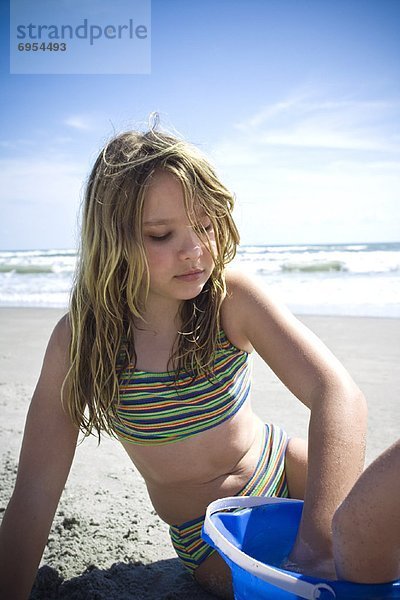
{"type": "Point", "coordinates": [296, 467]}
{"type": "Point", "coordinates": [214, 576]}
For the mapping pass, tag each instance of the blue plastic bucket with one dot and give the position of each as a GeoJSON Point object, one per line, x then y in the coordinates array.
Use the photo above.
{"type": "Point", "coordinates": [254, 541]}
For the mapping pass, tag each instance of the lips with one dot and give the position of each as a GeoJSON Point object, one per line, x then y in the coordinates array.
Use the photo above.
{"type": "Point", "coordinates": [192, 275]}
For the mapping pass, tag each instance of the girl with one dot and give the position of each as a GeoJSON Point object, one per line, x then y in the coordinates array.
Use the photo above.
{"type": "Point", "coordinates": [156, 350]}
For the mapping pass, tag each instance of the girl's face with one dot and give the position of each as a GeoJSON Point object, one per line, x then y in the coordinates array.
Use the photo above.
{"type": "Point", "coordinates": [179, 262]}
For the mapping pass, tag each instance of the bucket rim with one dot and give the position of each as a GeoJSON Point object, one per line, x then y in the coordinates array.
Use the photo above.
{"type": "Point", "coordinates": [272, 575]}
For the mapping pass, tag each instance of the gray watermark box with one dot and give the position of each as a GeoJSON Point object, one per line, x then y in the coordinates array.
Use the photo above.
{"type": "Point", "coordinates": [80, 37]}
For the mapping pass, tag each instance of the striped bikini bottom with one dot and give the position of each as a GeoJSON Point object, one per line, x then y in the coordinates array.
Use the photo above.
{"type": "Point", "coordinates": [268, 479]}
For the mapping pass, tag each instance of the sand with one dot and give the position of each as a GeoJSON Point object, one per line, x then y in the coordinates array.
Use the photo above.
{"type": "Point", "coordinates": [106, 541]}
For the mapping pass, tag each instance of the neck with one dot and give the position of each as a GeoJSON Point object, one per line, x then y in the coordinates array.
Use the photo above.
{"type": "Point", "coordinates": [160, 317]}
{"type": "Point", "coordinates": [156, 336]}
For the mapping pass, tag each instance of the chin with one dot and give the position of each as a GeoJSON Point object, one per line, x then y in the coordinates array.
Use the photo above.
{"type": "Point", "coordinates": [190, 295]}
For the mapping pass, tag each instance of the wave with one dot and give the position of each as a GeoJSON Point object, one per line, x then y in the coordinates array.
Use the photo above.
{"type": "Point", "coordinates": [26, 269]}
{"type": "Point", "coordinates": [314, 267]}
{"type": "Point", "coordinates": [38, 252]}
{"type": "Point", "coordinates": [345, 259]}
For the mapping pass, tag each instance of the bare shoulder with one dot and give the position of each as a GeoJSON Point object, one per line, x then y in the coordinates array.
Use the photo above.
{"type": "Point", "coordinates": [240, 288]}
{"type": "Point", "coordinates": [232, 310]}
{"type": "Point", "coordinates": [237, 278]}
{"type": "Point", "coordinates": [243, 290]}
{"type": "Point", "coordinates": [61, 335]}
{"type": "Point", "coordinates": [56, 360]}
{"type": "Point", "coordinates": [247, 288]}
{"type": "Point", "coordinates": [246, 302]}
{"type": "Point", "coordinates": [244, 298]}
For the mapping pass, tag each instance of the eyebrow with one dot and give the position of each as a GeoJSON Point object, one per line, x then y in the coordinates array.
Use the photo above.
{"type": "Point", "coordinates": [158, 222]}
{"type": "Point", "coordinates": [152, 222]}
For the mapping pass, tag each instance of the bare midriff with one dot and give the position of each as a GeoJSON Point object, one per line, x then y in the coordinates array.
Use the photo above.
{"type": "Point", "coordinates": [183, 477]}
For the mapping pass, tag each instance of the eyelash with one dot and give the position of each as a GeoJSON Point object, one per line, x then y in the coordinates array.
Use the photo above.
{"type": "Point", "coordinates": [160, 238]}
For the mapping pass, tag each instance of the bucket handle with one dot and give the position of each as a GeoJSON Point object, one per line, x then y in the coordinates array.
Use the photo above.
{"type": "Point", "coordinates": [277, 577]}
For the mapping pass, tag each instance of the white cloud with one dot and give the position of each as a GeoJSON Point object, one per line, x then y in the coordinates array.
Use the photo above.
{"type": "Point", "coordinates": [310, 135]}
{"type": "Point", "coordinates": [95, 122]}
{"type": "Point", "coordinates": [305, 121]}
{"type": "Point", "coordinates": [80, 122]}
{"type": "Point", "coordinates": [268, 113]}
{"type": "Point", "coordinates": [310, 170]}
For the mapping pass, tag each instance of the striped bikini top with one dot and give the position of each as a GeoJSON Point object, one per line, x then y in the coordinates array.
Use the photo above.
{"type": "Point", "coordinates": [158, 408]}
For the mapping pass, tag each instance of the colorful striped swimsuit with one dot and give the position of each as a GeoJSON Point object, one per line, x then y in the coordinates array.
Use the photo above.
{"type": "Point", "coordinates": [158, 408]}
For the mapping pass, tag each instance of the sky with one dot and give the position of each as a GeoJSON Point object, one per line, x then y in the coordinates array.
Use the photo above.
{"type": "Point", "coordinates": [296, 103]}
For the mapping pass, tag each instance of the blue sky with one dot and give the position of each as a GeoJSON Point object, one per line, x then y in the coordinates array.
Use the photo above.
{"type": "Point", "coordinates": [297, 103]}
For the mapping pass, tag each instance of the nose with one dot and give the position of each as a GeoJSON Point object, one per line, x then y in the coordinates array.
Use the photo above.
{"type": "Point", "coordinates": [191, 247]}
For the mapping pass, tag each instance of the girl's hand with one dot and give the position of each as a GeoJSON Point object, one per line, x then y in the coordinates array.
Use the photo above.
{"type": "Point", "coordinates": [303, 559]}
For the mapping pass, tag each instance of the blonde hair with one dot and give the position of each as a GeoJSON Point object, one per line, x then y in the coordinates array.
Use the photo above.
{"type": "Point", "coordinates": [112, 280]}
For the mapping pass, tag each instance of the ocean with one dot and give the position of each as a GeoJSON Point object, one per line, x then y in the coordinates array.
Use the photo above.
{"type": "Point", "coordinates": [325, 279]}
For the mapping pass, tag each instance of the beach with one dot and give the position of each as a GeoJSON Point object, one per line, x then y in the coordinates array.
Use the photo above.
{"type": "Point", "coordinates": [106, 541]}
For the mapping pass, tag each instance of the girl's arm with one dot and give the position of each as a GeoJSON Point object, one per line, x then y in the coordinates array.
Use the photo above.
{"type": "Point", "coordinates": [46, 455]}
{"type": "Point", "coordinates": [366, 526]}
{"type": "Point", "coordinates": [338, 411]}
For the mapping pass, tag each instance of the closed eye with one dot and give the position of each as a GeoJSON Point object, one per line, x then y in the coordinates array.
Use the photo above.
{"type": "Point", "coordinates": [160, 238]}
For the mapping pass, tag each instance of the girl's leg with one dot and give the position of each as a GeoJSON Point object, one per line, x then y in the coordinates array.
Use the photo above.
{"type": "Point", "coordinates": [296, 467]}
{"type": "Point", "coordinates": [214, 576]}
{"type": "Point", "coordinates": [366, 526]}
